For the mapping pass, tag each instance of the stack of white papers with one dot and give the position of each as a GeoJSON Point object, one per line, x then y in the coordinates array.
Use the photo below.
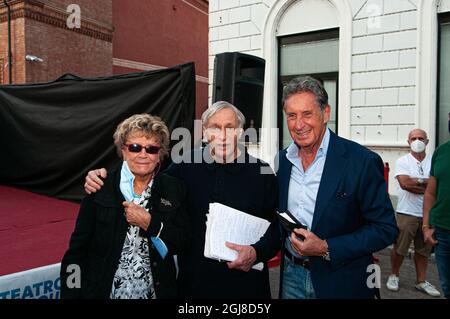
{"type": "Point", "coordinates": [228, 224]}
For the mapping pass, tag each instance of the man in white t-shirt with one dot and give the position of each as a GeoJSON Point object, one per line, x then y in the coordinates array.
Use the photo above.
{"type": "Point", "coordinates": [412, 172]}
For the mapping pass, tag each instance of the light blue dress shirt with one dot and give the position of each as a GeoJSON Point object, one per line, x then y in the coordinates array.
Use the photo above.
{"type": "Point", "coordinates": [304, 185]}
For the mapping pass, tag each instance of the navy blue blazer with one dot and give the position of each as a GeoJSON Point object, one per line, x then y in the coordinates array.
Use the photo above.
{"type": "Point", "coordinates": [353, 213]}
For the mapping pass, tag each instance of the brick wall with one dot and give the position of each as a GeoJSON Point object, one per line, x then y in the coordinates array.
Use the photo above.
{"type": "Point", "coordinates": [1, 70]}
{"type": "Point", "coordinates": [64, 51]}
{"type": "Point", "coordinates": [39, 28]}
{"type": "Point", "coordinates": [98, 10]}
{"type": "Point", "coordinates": [17, 48]}
{"type": "Point", "coordinates": [152, 33]}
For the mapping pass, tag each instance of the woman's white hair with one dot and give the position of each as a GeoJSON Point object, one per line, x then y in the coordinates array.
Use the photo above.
{"type": "Point", "coordinates": [220, 105]}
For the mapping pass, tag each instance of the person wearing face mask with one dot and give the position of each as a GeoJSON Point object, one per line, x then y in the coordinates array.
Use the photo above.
{"type": "Point", "coordinates": [412, 172]}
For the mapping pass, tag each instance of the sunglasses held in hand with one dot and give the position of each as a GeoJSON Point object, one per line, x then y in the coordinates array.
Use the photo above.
{"type": "Point", "coordinates": [137, 148]}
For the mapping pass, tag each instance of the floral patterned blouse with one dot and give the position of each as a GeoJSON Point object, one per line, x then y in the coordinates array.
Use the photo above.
{"type": "Point", "coordinates": [133, 278]}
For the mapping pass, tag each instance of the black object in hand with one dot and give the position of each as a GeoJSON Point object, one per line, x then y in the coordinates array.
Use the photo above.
{"type": "Point", "coordinates": [289, 226]}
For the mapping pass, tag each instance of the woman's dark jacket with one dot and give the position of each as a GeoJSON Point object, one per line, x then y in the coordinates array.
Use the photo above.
{"type": "Point", "coordinates": [97, 241]}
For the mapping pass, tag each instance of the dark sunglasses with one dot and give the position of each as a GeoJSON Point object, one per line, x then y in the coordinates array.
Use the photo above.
{"type": "Point", "coordinates": [137, 148]}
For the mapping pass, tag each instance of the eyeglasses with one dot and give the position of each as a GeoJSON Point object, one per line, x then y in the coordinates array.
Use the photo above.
{"type": "Point", "coordinates": [137, 148]}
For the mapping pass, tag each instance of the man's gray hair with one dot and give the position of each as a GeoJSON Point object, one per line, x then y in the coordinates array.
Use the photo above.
{"type": "Point", "coordinates": [420, 130]}
{"type": "Point", "coordinates": [302, 84]}
{"type": "Point", "coordinates": [220, 105]}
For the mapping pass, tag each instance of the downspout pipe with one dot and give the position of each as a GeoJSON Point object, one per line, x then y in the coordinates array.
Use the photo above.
{"type": "Point", "coordinates": [9, 42]}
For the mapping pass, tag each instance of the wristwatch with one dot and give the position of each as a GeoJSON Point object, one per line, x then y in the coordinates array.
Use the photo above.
{"type": "Point", "coordinates": [420, 181]}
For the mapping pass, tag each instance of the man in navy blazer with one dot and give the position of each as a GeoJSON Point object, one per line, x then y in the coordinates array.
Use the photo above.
{"type": "Point", "coordinates": [336, 188]}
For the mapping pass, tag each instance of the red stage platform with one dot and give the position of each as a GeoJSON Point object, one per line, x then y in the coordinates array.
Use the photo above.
{"type": "Point", "coordinates": [34, 229]}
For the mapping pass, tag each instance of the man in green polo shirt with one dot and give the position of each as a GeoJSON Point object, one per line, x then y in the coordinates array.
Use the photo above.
{"type": "Point", "coordinates": [436, 213]}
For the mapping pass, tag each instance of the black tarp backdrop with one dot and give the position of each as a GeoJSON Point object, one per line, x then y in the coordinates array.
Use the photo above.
{"type": "Point", "coordinates": [52, 134]}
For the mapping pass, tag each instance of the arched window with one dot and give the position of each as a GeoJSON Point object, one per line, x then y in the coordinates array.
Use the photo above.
{"type": "Point", "coordinates": [294, 31]}
{"type": "Point", "coordinates": [315, 54]}
{"type": "Point", "coordinates": [433, 98]}
{"type": "Point", "coordinates": [1, 71]}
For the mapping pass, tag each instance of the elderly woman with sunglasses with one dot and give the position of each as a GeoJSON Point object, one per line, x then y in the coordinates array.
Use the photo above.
{"type": "Point", "coordinates": [127, 235]}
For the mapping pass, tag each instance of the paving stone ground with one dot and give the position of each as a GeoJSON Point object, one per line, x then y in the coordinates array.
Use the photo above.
{"type": "Point", "coordinates": [407, 278]}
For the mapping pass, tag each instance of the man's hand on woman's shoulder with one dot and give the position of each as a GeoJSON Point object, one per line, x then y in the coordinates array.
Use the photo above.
{"type": "Point", "coordinates": [93, 181]}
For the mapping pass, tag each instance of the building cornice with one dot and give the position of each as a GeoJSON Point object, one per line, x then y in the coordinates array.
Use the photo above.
{"type": "Point", "coordinates": [38, 11]}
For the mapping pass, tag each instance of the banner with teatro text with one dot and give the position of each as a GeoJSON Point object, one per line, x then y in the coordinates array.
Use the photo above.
{"type": "Point", "coordinates": [37, 283]}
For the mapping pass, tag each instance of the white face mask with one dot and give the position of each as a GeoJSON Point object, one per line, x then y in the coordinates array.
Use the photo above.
{"type": "Point", "coordinates": [417, 146]}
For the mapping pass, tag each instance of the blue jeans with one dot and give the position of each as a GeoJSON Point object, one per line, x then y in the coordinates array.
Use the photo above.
{"type": "Point", "coordinates": [442, 253]}
{"type": "Point", "coordinates": [297, 282]}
